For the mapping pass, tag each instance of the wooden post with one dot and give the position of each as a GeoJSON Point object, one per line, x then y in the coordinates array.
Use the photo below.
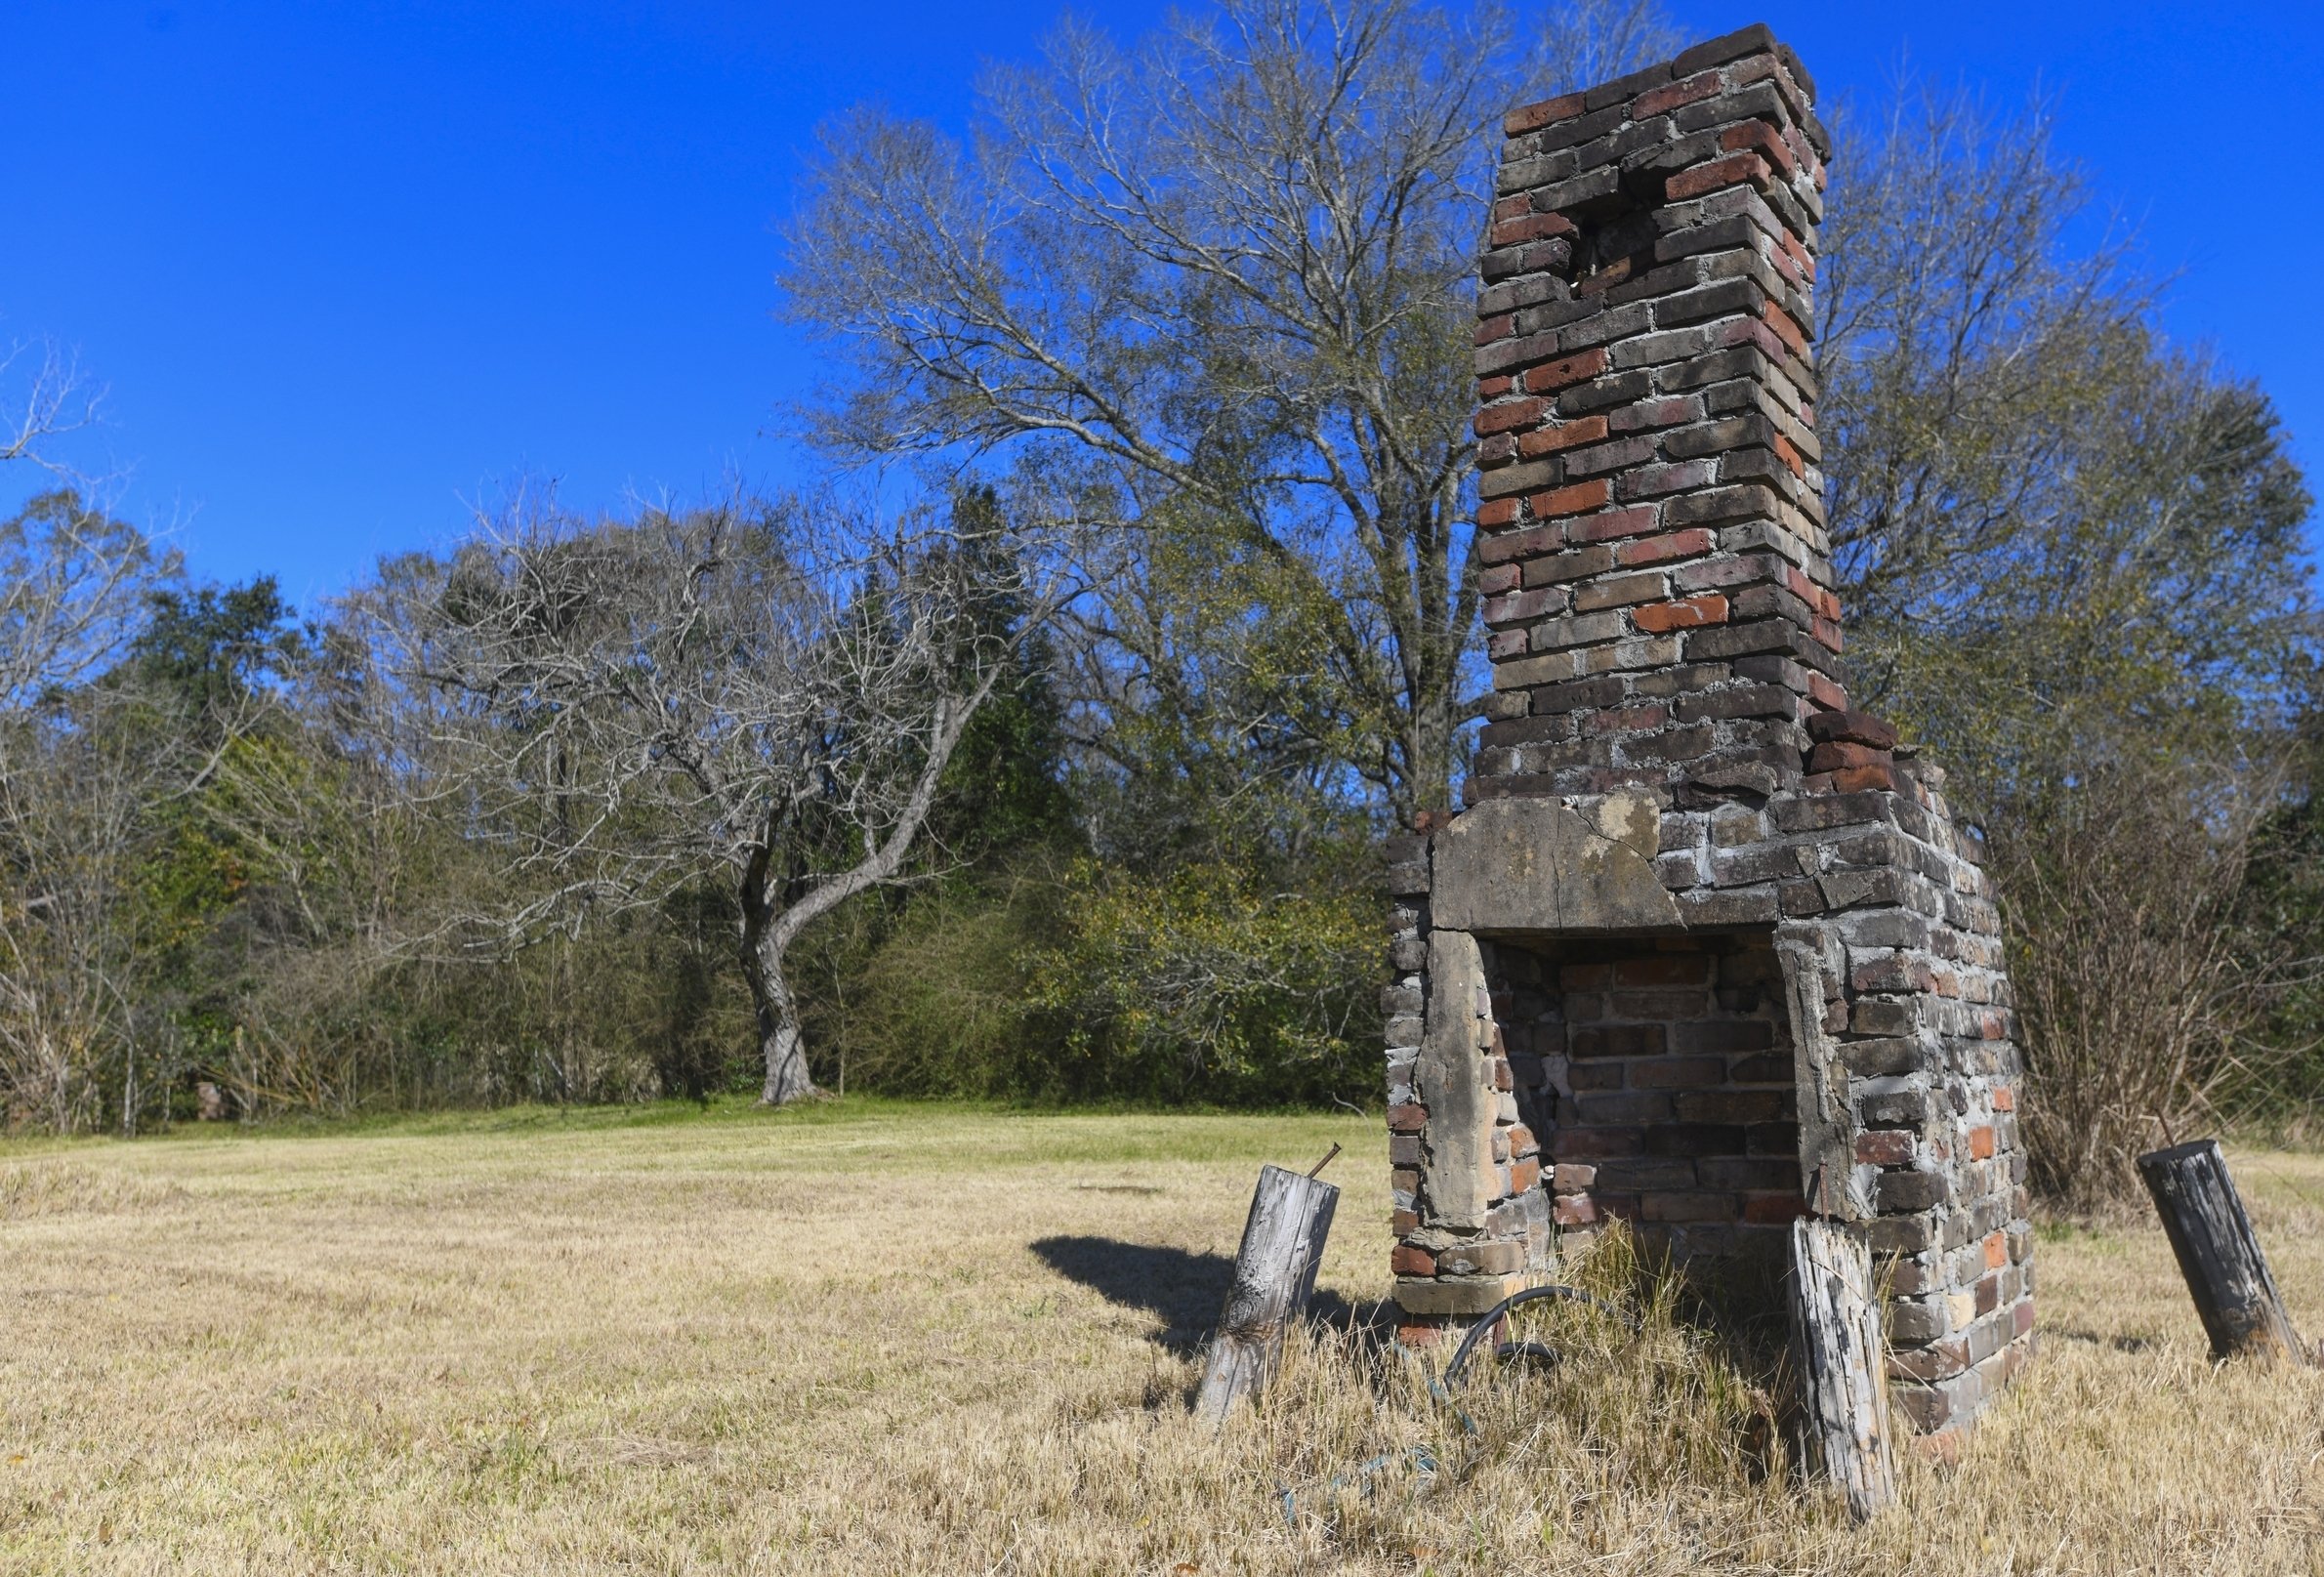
{"type": "Point", "coordinates": [2204, 1217]}
{"type": "Point", "coordinates": [1274, 1276]}
{"type": "Point", "coordinates": [1836, 1326]}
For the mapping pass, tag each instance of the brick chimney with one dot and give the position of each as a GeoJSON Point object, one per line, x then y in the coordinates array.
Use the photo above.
{"type": "Point", "coordinates": [1706, 951]}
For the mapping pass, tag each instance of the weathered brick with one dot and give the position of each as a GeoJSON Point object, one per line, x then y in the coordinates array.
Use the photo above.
{"type": "Point", "coordinates": [1561, 435]}
{"type": "Point", "coordinates": [1565, 371]}
{"type": "Point", "coordinates": [1662, 549]}
{"type": "Point", "coordinates": [1533, 117]}
{"type": "Point", "coordinates": [1707, 608]}
{"type": "Point", "coordinates": [1733, 170]}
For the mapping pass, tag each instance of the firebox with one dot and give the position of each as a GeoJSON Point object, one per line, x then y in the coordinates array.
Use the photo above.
{"type": "Point", "coordinates": [1705, 950]}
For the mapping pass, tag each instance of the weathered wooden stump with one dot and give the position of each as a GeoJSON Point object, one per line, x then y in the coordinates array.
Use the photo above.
{"type": "Point", "coordinates": [1836, 1327]}
{"type": "Point", "coordinates": [2234, 1292]}
{"type": "Point", "coordinates": [1274, 1276]}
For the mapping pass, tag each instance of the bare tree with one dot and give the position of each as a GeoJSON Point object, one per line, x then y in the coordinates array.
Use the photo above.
{"type": "Point", "coordinates": [2075, 564]}
{"type": "Point", "coordinates": [79, 782]}
{"type": "Point", "coordinates": [1222, 284]}
{"type": "Point", "coordinates": [78, 793]}
{"type": "Point", "coordinates": [1963, 344]}
{"type": "Point", "coordinates": [2142, 1000]}
{"type": "Point", "coordinates": [47, 397]}
{"type": "Point", "coordinates": [625, 708]}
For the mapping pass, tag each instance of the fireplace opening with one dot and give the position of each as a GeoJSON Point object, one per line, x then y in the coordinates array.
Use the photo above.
{"type": "Point", "coordinates": [1657, 1075]}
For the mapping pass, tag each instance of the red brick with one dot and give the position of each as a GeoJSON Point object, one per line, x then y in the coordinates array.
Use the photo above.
{"type": "Point", "coordinates": [1794, 338]}
{"type": "Point", "coordinates": [1855, 727]}
{"type": "Point", "coordinates": [1579, 498]}
{"type": "Point", "coordinates": [1864, 780]}
{"type": "Point", "coordinates": [1405, 1260]}
{"type": "Point", "coordinates": [1885, 1146]}
{"type": "Point", "coordinates": [1757, 135]}
{"type": "Point", "coordinates": [1773, 1209]}
{"type": "Point", "coordinates": [1523, 1174]}
{"type": "Point", "coordinates": [1702, 85]}
{"type": "Point", "coordinates": [1727, 172]}
{"type": "Point", "coordinates": [1533, 117]}
{"type": "Point", "coordinates": [1574, 1210]}
{"type": "Point", "coordinates": [2005, 1099]}
{"type": "Point", "coordinates": [1515, 207]}
{"type": "Point", "coordinates": [1495, 387]}
{"type": "Point", "coordinates": [1708, 608]}
{"type": "Point", "coordinates": [1790, 456]}
{"type": "Point", "coordinates": [1490, 329]}
{"type": "Point", "coordinates": [1408, 1118]}
{"type": "Point", "coordinates": [1981, 1144]}
{"type": "Point", "coordinates": [1800, 257]}
{"type": "Point", "coordinates": [1403, 1220]}
{"type": "Point", "coordinates": [1497, 512]}
{"type": "Point", "coordinates": [1564, 435]}
{"type": "Point", "coordinates": [1419, 1333]}
{"type": "Point", "coordinates": [1751, 331]}
{"type": "Point", "coordinates": [1663, 549]}
{"type": "Point", "coordinates": [1529, 542]}
{"type": "Point", "coordinates": [1628, 522]}
{"type": "Point", "coordinates": [1517, 413]}
{"type": "Point", "coordinates": [1826, 693]}
{"type": "Point", "coordinates": [1997, 1250]}
{"type": "Point", "coordinates": [1565, 371]}
{"type": "Point", "coordinates": [1531, 228]}
{"type": "Point", "coordinates": [1838, 755]}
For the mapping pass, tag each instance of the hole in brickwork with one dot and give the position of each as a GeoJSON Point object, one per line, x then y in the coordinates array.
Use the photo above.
{"type": "Point", "coordinates": [1657, 1074]}
{"type": "Point", "coordinates": [1612, 244]}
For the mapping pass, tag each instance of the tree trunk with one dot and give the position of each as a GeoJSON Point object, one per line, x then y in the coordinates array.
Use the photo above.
{"type": "Point", "coordinates": [785, 1055]}
{"type": "Point", "coordinates": [2234, 1292]}
{"type": "Point", "coordinates": [782, 1048]}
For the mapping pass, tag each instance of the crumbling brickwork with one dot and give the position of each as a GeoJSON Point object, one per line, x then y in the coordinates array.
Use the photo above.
{"type": "Point", "coordinates": [1707, 949]}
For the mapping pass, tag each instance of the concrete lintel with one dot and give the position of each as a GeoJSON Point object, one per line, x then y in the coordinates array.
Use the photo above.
{"type": "Point", "coordinates": [1513, 866]}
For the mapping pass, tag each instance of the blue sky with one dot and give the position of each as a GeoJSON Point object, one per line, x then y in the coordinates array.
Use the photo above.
{"type": "Point", "coordinates": [344, 265]}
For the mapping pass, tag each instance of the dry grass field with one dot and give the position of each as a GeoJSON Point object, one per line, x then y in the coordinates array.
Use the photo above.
{"type": "Point", "coordinates": [897, 1339]}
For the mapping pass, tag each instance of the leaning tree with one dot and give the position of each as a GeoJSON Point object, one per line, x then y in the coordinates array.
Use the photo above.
{"type": "Point", "coordinates": [766, 694]}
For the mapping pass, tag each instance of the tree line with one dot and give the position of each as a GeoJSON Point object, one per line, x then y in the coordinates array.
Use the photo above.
{"type": "Point", "coordinates": [1063, 779]}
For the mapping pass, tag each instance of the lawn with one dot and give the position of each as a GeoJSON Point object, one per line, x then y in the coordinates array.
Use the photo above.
{"type": "Point", "coordinates": [879, 1339]}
